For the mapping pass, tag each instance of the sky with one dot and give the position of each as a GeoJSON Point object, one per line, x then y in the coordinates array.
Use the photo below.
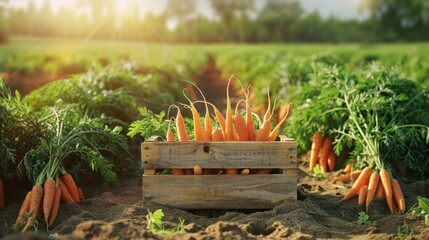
{"type": "Point", "coordinates": [343, 9]}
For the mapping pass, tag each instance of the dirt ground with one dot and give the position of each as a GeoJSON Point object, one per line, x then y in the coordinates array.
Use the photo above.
{"type": "Point", "coordinates": [118, 213]}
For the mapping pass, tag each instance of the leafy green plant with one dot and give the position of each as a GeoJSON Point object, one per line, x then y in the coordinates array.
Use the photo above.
{"type": "Point", "coordinates": [317, 172]}
{"type": "Point", "coordinates": [404, 232]}
{"type": "Point", "coordinates": [156, 225]}
{"type": "Point", "coordinates": [363, 219]}
{"type": "Point", "coordinates": [422, 209]}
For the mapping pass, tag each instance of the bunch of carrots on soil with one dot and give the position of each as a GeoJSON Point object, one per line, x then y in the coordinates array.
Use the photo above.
{"type": "Point", "coordinates": [370, 183]}
{"type": "Point", "coordinates": [233, 127]}
{"type": "Point", "coordinates": [43, 201]}
{"type": "Point", "coordinates": [322, 153]}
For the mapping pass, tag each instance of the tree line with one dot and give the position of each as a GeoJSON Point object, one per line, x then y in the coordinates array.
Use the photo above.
{"type": "Point", "coordinates": [236, 21]}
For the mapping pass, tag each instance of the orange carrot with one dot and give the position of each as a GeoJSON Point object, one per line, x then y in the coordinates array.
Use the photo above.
{"type": "Point", "coordinates": [24, 207]}
{"type": "Point", "coordinates": [65, 194]}
{"type": "Point", "coordinates": [372, 188]}
{"type": "Point", "coordinates": [48, 197]}
{"type": "Point", "coordinates": [387, 186]}
{"type": "Point", "coordinates": [315, 149]}
{"type": "Point", "coordinates": [331, 160]}
{"type": "Point", "coordinates": [56, 205]}
{"type": "Point", "coordinates": [198, 170]}
{"type": "Point", "coordinates": [380, 190]}
{"type": "Point", "coordinates": [348, 167]}
{"type": "Point", "coordinates": [229, 125]}
{"type": "Point", "coordinates": [188, 171]}
{"type": "Point", "coordinates": [36, 198]}
{"type": "Point", "coordinates": [231, 171]}
{"type": "Point", "coordinates": [362, 180]}
{"type": "Point", "coordinates": [264, 131]}
{"type": "Point", "coordinates": [240, 125]}
{"type": "Point", "coordinates": [208, 128]}
{"type": "Point", "coordinates": [221, 120]}
{"type": "Point", "coordinates": [273, 135]}
{"type": "Point", "coordinates": [324, 151]}
{"type": "Point", "coordinates": [1, 195]}
{"type": "Point", "coordinates": [81, 196]}
{"type": "Point", "coordinates": [245, 171]}
{"type": "Point", "coordinates": [264, 171]}
{"type": "Point", "coordinates": [182, 134]}
{"type": "Point", "coordinates": [217, 135]}
{"type": "Point", "coordinates": [71, 186]}
{"type": "Point", "coordinates": [198, 126]}
{"type": "Point", "coordinates": [171, 138]}
{"type": "Point", "coordinates": [362, 194]}
{"type": "Point", "coordinates": [249, 120]}
{"type": "Point", "coordinates": [347, 177]}
{"type": "Point", "coordinates": [398, 195]}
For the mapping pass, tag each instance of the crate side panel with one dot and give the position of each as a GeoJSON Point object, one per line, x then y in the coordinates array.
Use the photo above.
{"type": "Point", "coordinates": [219, 154]}
{"type": "Point", "coordinates": [220, 192]}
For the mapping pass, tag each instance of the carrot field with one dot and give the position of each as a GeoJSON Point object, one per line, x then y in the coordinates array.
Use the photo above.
{"type": "Point", "coordinates": [74, 113]}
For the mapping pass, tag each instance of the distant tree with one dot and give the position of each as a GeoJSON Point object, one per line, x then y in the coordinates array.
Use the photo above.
{"type": "Point", "coordinates": [398, 19]}
{"type": "Point", "coordinates": [180, 10]}
{"type": "Point", "coordinates": [279, 19]}
{"type": "Point", "coordinates": [227, 10]}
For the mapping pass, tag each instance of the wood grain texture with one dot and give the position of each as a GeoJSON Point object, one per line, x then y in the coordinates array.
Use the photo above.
{"type": "Point", "coordinates": [279, 154]}
{"type": "Point", "coordinates": [220, 192]}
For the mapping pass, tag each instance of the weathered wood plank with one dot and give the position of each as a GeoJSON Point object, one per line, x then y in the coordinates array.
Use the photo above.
{"type": "Point", "coordinates": [279, 154]}
{"type": "Point", "coordinates": [220, 192]}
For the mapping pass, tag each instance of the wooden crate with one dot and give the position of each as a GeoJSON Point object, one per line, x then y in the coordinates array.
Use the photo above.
{"type": "Point", "coordinates": [253, 191]}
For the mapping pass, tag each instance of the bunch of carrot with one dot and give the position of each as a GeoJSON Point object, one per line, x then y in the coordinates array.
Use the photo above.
{"type": "Point", "coordinates": [371, 184]}
{"type": "Point", "coordinates": [45, 197]}
{"type": "Point", "coordinates": [232, 127]}
{"type": "Point", "coordinates": [322, 153]}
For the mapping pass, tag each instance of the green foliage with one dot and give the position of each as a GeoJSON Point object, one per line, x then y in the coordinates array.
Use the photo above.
{"type": "Point", "coordinates": [422, 209]}
{"type": "Point", "coordinates": [150, 124]}
{"type": "Point", "coordinates": [317, 172]}
{"type": "Point", "coordinates": [380, 115]}
{"type": "Point", "coordinates": [363, 219]}
{"type": "Point", "coordinates": [156, 225]}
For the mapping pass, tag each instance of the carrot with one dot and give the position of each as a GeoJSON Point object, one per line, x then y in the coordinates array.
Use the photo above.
{"type": "Point", "coordinates": [198, 126]}
{"type": "Point", "coordinates": [249, 120]}
{"type": "Point", "coordinates": [264, 131]}
{"type": "Point", "coordinates": [56, 205]}
{"type": "Point", "coordinates": [231, 171]}
{"type": "Point", "coordinates": [1, 195]}
{"type": "Point", "coordinates": [171, 138]}
{"type": "Point", "coordinates": [208, 128]}
{"type": "Point", "coordinates": [24, 207]}
{"type": "Point", "coordinates": [324, 151]}
{"type": "Point", "coordinates": [71, 186]}
{"type": "Point", "coordinates": [398, 195]}
{"type": "Point", "coordinates": [361, 181]}
{"type": "Point", "coordinates": [380, 190]}
{"type": "Point", "coordinates": [387, 186]}
{"type": "Point", "coordinates": [315, 149]}
{"type": "Point", "coordinates": [221, 120]}
{"type": "Point", "coordinates": [348, 167]}
{"type": "Point", "coordinates": [347, 176]}
{"type": "Point", "coordinates": [245, 171]}
{"type": "Point", "coordinates": [182, 134]}
{"type": "Point", "coordinates": [81, 196]}
{"type": "Point", "coordinates": [273, 135]}
{"type": "Point", "coordinates": [372, 188]}
{"type": "Point", "coordinates": [229, 125]}
{"type": "Point", "coordinates": [188, 171]}
{"type": "Point", "coordinates": [331, 160]}
{"type": "Point", "coordinates": [362, 194]}
{"type": "Point", "coordinates": [65, 194]}
{"type": "Point", "coordinates": [36, 198]}
{"type": "Point", "coordinates": [48, 197]}
{"type": "Point", "coordinates": [217, 135]}
{"type": "Point", "coordinates": [198, 170]}
{"type": "Point", "coordinates": [264, 171]}
{"type": "Point", "coordinates": [240, 125]}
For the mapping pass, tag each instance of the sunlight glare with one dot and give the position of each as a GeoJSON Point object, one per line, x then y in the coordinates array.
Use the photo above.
{"type": "Point", "coordinates": [123, 6]}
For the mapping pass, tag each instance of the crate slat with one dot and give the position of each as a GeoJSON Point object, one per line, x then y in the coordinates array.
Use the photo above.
{"type": "Point", "coordinates": [219, 154]}
{"type": "Point", "coordinates": [220, 192]}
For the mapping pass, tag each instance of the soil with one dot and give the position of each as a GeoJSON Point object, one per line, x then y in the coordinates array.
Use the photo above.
{"type": "Point", "coordinates": [117, 212]}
